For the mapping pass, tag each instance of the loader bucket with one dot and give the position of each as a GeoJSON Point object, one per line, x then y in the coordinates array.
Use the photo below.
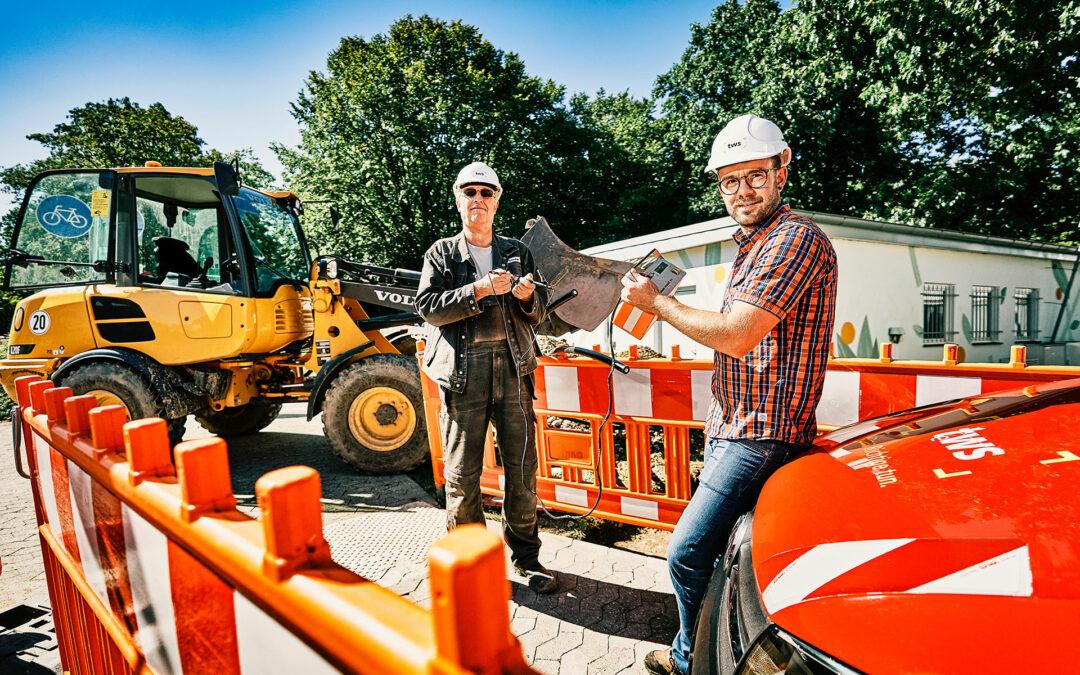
{"type": "Point", "coordinates": [597, 280]}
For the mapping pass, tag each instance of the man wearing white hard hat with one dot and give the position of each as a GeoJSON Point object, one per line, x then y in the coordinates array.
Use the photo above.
{"type": "Point", "coordinates": [478, 297]}
{"type": "Point", "coordinates": [771, 340]}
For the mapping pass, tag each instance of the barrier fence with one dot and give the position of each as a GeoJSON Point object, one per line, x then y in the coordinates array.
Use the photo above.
{"type": "Point", "coordinates": [644, 451]}
{"type": "Point", "coordinates": [151, 568]}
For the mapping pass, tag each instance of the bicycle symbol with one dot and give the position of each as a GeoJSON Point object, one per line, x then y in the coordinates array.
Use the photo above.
{"type": "Point", "coordinates": [64, 216]}
{"type": "Point", "coordinates": [61, 215]}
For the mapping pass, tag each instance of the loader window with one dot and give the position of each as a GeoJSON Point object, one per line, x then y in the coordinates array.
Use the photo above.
{"type": "Point", "coordinates": [182, 245]}
{"type": "Point", "coordinates": [274, 235]}
{"type": "Point", "coordinates": [64, 231]}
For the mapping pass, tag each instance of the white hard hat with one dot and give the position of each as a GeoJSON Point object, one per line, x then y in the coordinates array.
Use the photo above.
{"type": "Point", "coordinates": [746, 138]}
{"type": "Point", "coordinates": [478, 173]}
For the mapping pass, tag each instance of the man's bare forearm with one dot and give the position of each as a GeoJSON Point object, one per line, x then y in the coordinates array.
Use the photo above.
{"type": "Point", "coordinates": [721, 331]}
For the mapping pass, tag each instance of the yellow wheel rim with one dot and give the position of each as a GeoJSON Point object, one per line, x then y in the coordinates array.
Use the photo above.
{"type": "Point", "coordinates": [106, 397]}
{"type": "Point", "coordinates": [382, 419]}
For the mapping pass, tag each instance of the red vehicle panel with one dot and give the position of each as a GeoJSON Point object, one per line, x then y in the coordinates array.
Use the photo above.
{"type": "Point", "coordinates": [944, 539]}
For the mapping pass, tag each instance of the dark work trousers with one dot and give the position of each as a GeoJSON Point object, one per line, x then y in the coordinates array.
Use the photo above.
{"type": "Point", "coordinates": [492, 393]}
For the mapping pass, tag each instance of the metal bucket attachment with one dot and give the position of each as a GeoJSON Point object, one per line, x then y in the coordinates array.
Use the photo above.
{"type": "Point", "coordinates": [596, 280]}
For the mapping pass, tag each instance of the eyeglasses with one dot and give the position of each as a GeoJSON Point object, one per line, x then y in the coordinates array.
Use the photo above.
{"type": "Point", "coordinates": [756, 179]}
{"type": "Point", "coordinates": [486, 193]}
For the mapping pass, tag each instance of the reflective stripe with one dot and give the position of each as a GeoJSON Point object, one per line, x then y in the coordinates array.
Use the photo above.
{"type": "Point", "coordinates": [1006, 574]}
{"type": "Point", "coordinates": [266, 646]}
{"type": "Point", "coordinates": [820, 565]}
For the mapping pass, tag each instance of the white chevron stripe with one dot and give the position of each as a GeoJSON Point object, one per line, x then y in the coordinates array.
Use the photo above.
{"type": "Point", "coordinates": [936, 388]}
{"type": "Point", "coordinates": [561, 384]}
{"type": "Point", "coordinates": [267, 648]}
{"type": "Point", "coordinates": [820, 565]}
{"type": "Point", "coordinates": [700, 393]}
{"type": "Point", "coordinates": [1006, 574]}
{"type": "Point", "coordinates": [82, 513]}
{"type": "Point", "coordinates": [45, 485]}
{"type": "Point", "coordinates": [839, 404]}
{"type": "Point", "coordinates": [633, 392]}
{"type": "Point", "coordinates": [151, 592]}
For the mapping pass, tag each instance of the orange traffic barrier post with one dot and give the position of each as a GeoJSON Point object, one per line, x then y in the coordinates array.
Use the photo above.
{"type": "Point", "coordinates": [138, 552]}
{"type": "Point", "coordinates": [467, 558]}
{"type": "Point", "coordinates": [148, 451]}
{"type": "Point", "coordinates": [107, 428]}
{"type": "Point", "coordinates": [293, 521]}
{"type": "Point", "coordinates": [886, 353]}
{"type": "Point", "coordinates": [202, 467]}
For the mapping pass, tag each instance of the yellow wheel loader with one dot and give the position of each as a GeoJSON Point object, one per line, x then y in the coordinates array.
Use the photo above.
{"type": "Point", "coordinates": [177, 292]}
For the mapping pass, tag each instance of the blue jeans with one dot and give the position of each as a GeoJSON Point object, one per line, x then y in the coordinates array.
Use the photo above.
{"type": "Point", "coordinates": [729, 484]}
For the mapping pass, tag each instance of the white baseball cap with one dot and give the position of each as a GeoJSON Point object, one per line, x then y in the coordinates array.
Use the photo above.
{"type": "Point", "coordinates": [477, 173]}
{"type": "Point", "coordinates": [746, 138]}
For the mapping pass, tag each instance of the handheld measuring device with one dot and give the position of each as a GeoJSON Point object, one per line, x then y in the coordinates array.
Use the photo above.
{"type": "Point", "coordinates": [665, 276]}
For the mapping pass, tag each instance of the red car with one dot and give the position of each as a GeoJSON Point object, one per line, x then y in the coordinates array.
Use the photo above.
{"type": "Point", "coordinates": [942, 539]}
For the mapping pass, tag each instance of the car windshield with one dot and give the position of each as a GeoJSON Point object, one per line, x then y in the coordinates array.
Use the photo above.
{"type": "Point", "coordinates": [274, 235]}
{"type": "Point", "coordinates": [64, 230]}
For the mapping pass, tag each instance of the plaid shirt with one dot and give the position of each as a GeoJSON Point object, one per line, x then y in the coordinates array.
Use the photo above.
{"type": "Point", "coordinates": [787, 267]}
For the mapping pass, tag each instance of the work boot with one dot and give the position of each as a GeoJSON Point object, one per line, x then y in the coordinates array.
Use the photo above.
{"type": "Point", "coordinates": [660, 662]}
{"type": "Point", "coordinates": [541, 579]}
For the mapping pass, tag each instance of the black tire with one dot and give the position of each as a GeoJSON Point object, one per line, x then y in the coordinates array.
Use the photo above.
{"type": "Point", "coordinates": [381, 397]}
{"type": "Point", "coordinates": [134, 392]}
{"type": "Point", "coordinates": [405, 343]}
{"type": "Point", "coordinates": [241, 420]}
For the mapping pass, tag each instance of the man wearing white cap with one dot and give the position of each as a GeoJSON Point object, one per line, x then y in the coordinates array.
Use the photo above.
{"type": "Point", "coordinates": [771, 340]}
{"type": "Point", "coordinates": [478, 297]}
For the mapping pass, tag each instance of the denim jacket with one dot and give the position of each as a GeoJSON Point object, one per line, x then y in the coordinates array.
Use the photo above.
{"type": "Point", "coordinates": [446, 301]}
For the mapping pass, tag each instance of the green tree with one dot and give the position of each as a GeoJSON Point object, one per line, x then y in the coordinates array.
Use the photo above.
{"type": "Point", "coordinates": [716, 79]}
{"type": "Point", "coordinates": [386, 127]}
{"type": "Point", "coordinates": [959, 115]}
{"type": "Point", "coordinates": [120, 132]}
{"type": "Point", "coordinates": [634, 176]}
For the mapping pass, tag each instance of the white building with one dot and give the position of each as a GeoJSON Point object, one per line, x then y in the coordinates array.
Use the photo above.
{"type": "Point", "coordinates": [916, 286]}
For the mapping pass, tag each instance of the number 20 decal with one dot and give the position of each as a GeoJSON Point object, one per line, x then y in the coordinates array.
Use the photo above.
{"type": "Point", "coordinates": [40, 322]}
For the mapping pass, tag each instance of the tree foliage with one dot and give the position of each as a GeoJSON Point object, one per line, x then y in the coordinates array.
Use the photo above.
{"type": "Point", "coordinates": [633, 172]}
{"type": "Point", "coordinates": [387, 126]}
{"type": "Point", "coordinates": [385, 129]}
{"type": "Point", "coordinates": [120, 132]}
{"type": "Point", "coordinates": [959, 114]}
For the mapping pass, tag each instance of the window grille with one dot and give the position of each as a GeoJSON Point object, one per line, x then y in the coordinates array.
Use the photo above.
{"type": "Point", "coordinates": [937, 313]}
{"type": "Point", "coordinates": [1026, 314]}
{"type": "Point", "coordinates": [985, 301]}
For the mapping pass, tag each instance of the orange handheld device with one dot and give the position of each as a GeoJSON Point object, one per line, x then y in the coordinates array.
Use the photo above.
{"type": "Point", "coordinates": [665, 276]}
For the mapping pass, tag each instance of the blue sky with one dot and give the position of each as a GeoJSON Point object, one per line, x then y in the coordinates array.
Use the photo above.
{"type": "Point", "coordinates": [232, 67]}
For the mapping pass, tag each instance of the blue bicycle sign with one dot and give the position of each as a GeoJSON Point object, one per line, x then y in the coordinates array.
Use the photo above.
{"type": "Point", "coordinates": [64, 216]}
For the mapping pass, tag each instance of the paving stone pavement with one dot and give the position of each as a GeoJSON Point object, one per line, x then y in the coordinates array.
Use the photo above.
{"type": "Point", "coordinates": [612, 607]}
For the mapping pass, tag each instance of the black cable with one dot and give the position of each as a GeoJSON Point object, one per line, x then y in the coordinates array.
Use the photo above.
{"type": "Point", "coordinates": [530, 424]}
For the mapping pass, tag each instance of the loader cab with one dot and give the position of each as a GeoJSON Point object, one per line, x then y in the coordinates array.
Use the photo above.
{"type": "Point", "coordinates": [157, 228]}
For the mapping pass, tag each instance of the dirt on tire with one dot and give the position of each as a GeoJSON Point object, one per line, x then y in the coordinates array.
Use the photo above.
{"type": "Point", "coordinates": [380, 370]}
{"type": "Point", "coordinates": [137, 395]}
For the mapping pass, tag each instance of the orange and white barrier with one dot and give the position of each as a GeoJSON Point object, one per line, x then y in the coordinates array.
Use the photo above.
{"type": "Point", "coordinates": [151, 568]}
{"type": "Point", "coordinates": [671, 396]}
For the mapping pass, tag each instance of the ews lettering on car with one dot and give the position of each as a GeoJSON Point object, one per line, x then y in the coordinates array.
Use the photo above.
{"type": "Point", "coordinates": [967, 444]}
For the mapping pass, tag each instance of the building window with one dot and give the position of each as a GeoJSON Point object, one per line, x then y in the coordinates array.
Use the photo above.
{"type": "Point", "coordinates": [937, 313]}
{"type": "Point", "coordinates": [1026, 315]}
{"type": "Point", "coordinates": [985, 302]}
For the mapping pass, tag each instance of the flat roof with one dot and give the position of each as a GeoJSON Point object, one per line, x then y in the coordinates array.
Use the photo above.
{"type": "Point", "coordinates": [837, 227]}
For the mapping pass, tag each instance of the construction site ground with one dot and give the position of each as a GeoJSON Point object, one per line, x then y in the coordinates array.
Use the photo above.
{"type": "Point", "coordinates": [613, 604]}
